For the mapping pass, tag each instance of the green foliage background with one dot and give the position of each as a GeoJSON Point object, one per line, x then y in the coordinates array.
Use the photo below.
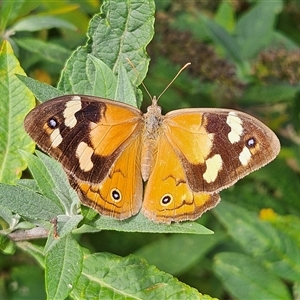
{"type": "Point", "coordinates": [245, 55]}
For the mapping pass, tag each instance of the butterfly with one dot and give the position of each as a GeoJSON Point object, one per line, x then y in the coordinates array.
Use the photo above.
{"type": "Point", "coordinates": [110, 150]}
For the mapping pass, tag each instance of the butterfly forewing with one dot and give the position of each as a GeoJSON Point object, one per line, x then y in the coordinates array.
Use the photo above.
{"type": "Point", "coordinates": [86, 134]}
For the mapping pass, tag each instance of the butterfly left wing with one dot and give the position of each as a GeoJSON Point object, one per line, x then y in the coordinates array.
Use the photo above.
{"type": "Point", "coordinates": [93, 139]}
{"type": "Point", "coordinates": [217, 147]}
{"type": "Point", "coordinates": [168, 196]}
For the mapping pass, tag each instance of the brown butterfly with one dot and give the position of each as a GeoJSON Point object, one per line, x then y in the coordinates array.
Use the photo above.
{"type": "Point", "coordinates": [108, 149]}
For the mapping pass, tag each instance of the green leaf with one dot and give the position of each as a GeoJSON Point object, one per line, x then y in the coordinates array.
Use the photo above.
{"type": "Point", "coordinates": [28, 203]}
{"type": "Point", "coordinates": [16, 101]}
{"type": "Point", "coordinates": [7, 246]}
{"type": "Point", "coordinates": [167, 255]}
{"type": "Point", "coordinates": [52, 181]}
{"type": "Point", "coordinates": [289, 224]}
{"type": "Point", "coordinates": [222, 37]}
{"type": "Point", "coordinates": [245, 278]}
{"type": "Point", "coordinates": [225, 16]}
{"type": "Point", "coordinates": [51, 52]}
{"type": "Point", "coordinates": [41, 91]}
{"type": "Point", "coordinates": [279, 38]}
{"type": "Point", "coordinates": [28, 183]}
{"type": "Point", "coordinates": [286, 186]}
{"type": "Point", "coordinates": [65, 225]}
{"type": "Point", "coordinates": [122, 30]}
{"type": "Point", "coordinates": [9, 10]}
{"type": "Point", "coordinates": [124, 90]}
{"type": "Point", "coordinates": [63, 265]}
{"type": "Point", "coordinates": [271, 93]}
{"type": "Point", "coordinates": [139, 223]}
{"type": "Point", "coordinates": [35, 23]}
{"type": "Point", "coordinates": [67, 196]}
{"type": "Point", "coordinates": [42, 177]}
{"type": "Point", "coordinates": [34, 250]}
{"type": "Point", "coordinates": [7, 220]}
{"type": "Point", "coordinates": [276, 250]}
{"type": "Point", "coordinates": [105, 82]}
{"type": "Point", "coordinates": [254, 29]}
{"type": "Point", "coordinates": [127, 278]}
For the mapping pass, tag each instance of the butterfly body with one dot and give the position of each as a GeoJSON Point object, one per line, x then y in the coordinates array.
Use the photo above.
{"type": "Point", "coordinates": [153, 121]}
{"type": "Point", "coordinates": [109, 150]}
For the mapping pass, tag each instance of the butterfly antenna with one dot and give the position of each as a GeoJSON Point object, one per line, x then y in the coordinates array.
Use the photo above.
{"type": "Point", "coordinates": [178, 73]}
{"type": "Point", "coordinates": [137, 73]}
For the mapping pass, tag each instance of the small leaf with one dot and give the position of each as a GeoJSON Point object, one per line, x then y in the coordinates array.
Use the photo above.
{"type": "Point", "coordinates": [65, 225]}
{"type": "Point", "coordinates": [7, 246]}
{"type": "Point", "coordinates": [127, 278]}
{"type": "Point", "coordinates": [67, 196]}
{"type": "Point", "coordinates": [167, 255]}
{"type": "Point", "coordinates": [245, 278]}
{"type": "Point", "coordinates": [16, 101]}
{"type": "Point", "coordinates": [225, 16]}
{"type": "Point", "coordinates": [28, 203]}
{"type": "Point", "coordinates": [9, 10]}
{"type": "Point", "coordinates": [52, 52]}
{"type": "Point", "coordinates": [102, 76]}
{"type": "Point", "coordinates": [7, 219]}
{"type": "Point", "coordinates": [254, 29]}
{"type": "Point", "coordinates": [63, 265]}
{"type": "Point", "coordinates": [218, 34]}
{"type": "Point", "coordinates": [41, 176]}
{"type": "Point", "coordinates": [41, 91]}
{"type": "Point", "coordinates": [139, 223]}
{"type": "Point", "coordinates": [124, 89]}
{"type": "Point", "coordinates": [35, 23]}
{"type": "Point", "coordinates": [34, 250]}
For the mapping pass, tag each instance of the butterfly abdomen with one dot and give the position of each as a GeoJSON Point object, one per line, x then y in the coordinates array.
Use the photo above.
{"type": "Point", "coordinates": [149, 152]}
{"type": "Point", "coordinates": [152, 130]}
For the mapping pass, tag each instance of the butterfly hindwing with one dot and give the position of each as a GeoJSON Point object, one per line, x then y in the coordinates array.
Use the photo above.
{"type": "Point", "coordinates": [168, 196]}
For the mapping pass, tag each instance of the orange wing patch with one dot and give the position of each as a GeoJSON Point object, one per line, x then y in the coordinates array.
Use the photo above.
{"type": "Point", "coordinates": [168, 196]}
{"type": "Point", "coordinates": [187, 132]}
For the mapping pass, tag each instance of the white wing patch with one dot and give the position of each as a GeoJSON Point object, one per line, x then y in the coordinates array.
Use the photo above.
{"type": "Point", "coordinates": [235, 123]}
{"type": "Point", "coordinates": [245, 156]}
{"type": "Point", "coordinates": [55, 138]}
{"type": "Point", "coordinates": [72, 107]}
{"type": "Point", "coordinates": [213, 167]}
{"type": "Point", "coordinates": [84, 154]}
